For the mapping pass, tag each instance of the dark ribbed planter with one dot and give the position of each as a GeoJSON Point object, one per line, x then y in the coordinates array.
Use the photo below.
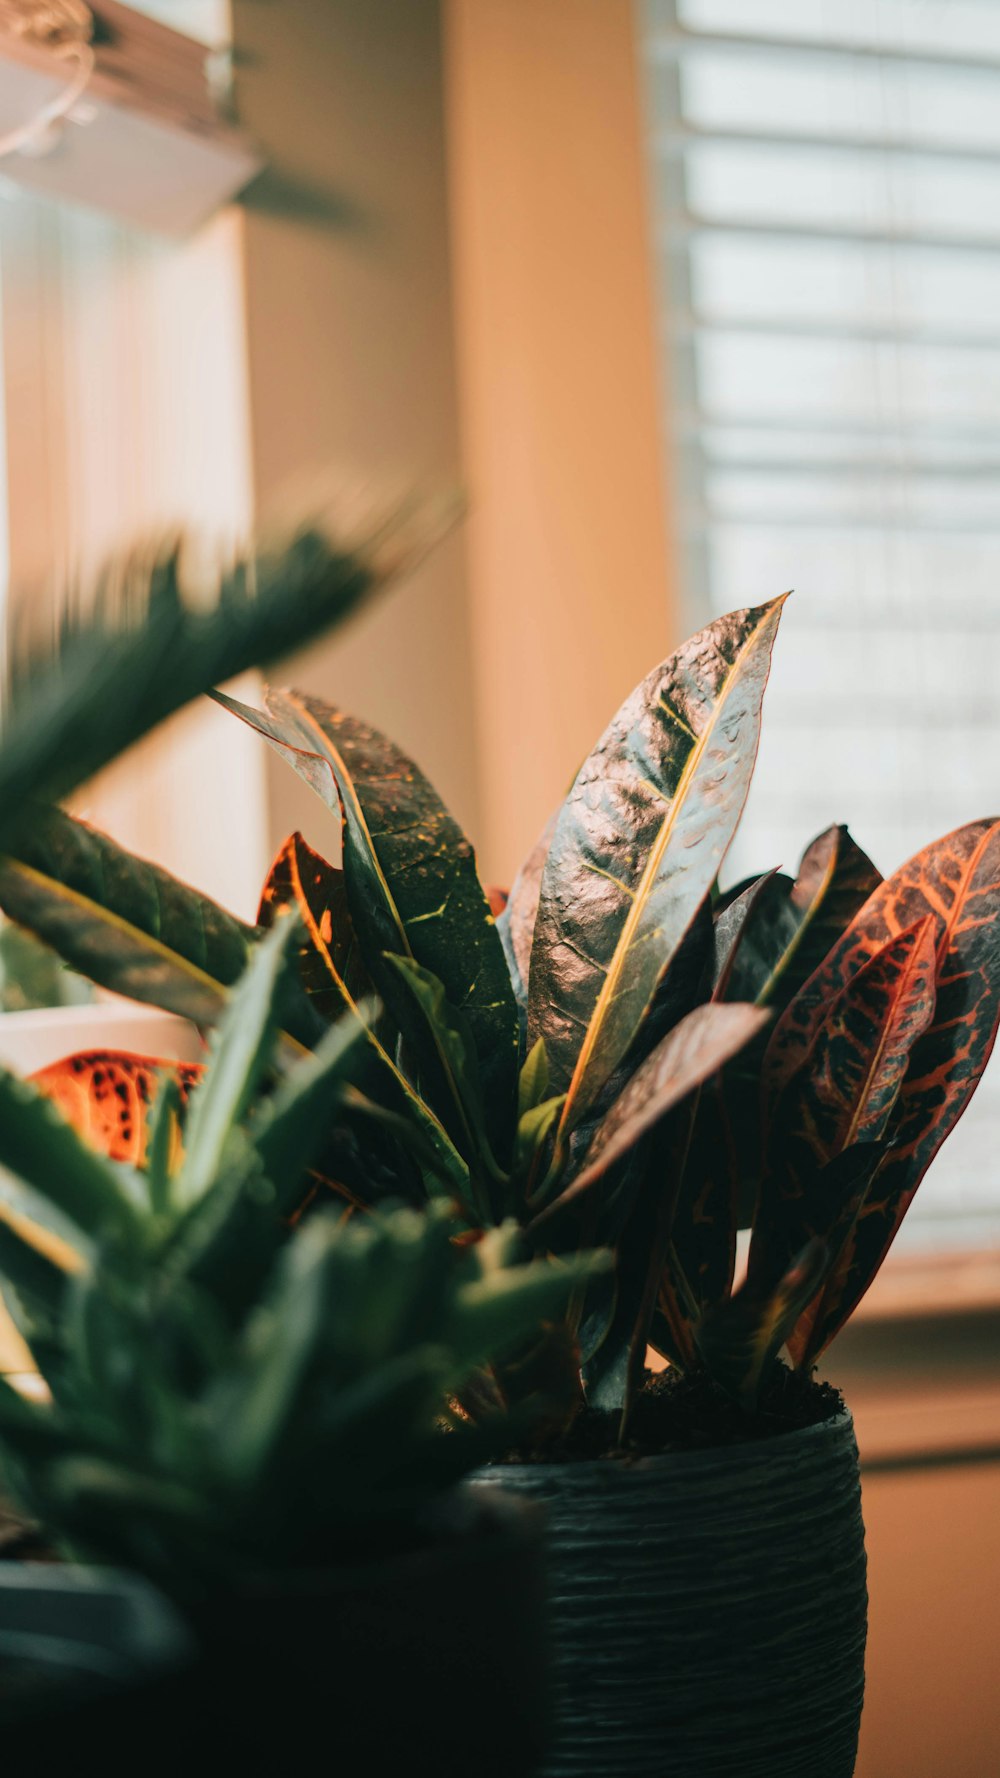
{"type": "Point", "coordinates": [708, 1609]}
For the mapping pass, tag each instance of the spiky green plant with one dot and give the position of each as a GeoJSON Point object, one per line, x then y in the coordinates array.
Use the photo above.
{"type": "Point", "coordinates": [228, 1397]}
{"type": "Point", "coordinates": [628, 1057]}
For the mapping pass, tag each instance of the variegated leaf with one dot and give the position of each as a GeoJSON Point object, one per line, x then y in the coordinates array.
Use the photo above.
{"type": "Point", "coordinates": [107, 1095]}
{"type": "Point", "coordinates": [410, 874]}
{"type": "Point", "coordinates": [637, 846]}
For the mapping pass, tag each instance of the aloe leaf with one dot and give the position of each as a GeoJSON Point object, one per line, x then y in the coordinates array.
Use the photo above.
{"type": "Point", "coordinates": [128, 925]}
{"type": "Point", "coordinates": [164, 1146]}
{"type": "Point", "coordinates": [493, 1314]}
{"type": "Point", "coordinates": [288, 1131]}
{"type": "Point", "coordinates": [241, 1049]}
{"type": "Point", "coordinates": [638, 845]}
{"type": "Point", "coordinates": [33, 1289]}
{"type": "Point", "coordinates": [411, 877]}
{"type": "Point", "coordinates": [145, 647]}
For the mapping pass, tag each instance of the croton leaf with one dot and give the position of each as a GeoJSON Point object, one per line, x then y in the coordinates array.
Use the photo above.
{"type": "Point", "coordinates": [689, 1054]}
{"type": "Point", "coordinates": [516, 924]}
{"type": "Point", "coordinates": [741, 1336]}
{"type": "Point", "coordinates": [790, 927]}
{"type": "Point", "coordinates": [107, 1095]}
{"type": "Point", "coordinates": [810, 1201]}
{"type": "Point", "coordinates": [957, 882]}
{"type": "Point", "coordinates": [330, 962]}
{"type": "Point", "coordinates": [411, 877]}
{"type": "Point", "coordinates": [848, 1083]}
{"type": "Point", "coordinates": [637, 846]}
{"type": "Point", "coordinates": [336, 980]}
{"type": "Point", "coordinates": [126, 924]}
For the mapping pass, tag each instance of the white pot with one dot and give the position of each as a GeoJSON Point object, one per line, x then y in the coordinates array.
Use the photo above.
{"type": "Point", "coordinates": [31, 1040]}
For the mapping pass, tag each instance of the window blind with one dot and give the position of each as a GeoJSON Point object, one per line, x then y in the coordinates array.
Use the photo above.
{"type": "Point", "coordinates": [825, 184]}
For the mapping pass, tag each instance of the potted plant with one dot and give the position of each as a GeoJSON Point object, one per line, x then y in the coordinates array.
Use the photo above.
{"type": "Point", "coordinates": [257, 1418]}
{"type": "Point", "coordinates": [631, 1057]}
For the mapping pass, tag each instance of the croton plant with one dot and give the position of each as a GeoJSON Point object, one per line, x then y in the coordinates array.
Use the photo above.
{"type": "Point", "coordinates": [619, 1054]}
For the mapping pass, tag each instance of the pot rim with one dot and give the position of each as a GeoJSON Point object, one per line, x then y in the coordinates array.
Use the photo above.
{"type": "Point", "coordinates": [758, 1452]}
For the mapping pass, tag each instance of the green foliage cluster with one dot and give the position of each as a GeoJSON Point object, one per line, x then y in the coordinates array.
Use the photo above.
{"type": "Point", "coordinates": [225, 1387]}
{"type": "Point", "coordinates": [628, 1057]}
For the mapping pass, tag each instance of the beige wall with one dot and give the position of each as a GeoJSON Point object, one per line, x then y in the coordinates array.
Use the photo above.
{"type": "Point", "coordinates": [572, 587]}
{"type": "Point", "coordinates": [350, 343]}
{"type": "Point", "coordinates": [501, 664]}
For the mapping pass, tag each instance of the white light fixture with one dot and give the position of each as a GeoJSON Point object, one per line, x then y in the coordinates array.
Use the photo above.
{"type": "Point", "coordinates": [105, 107]}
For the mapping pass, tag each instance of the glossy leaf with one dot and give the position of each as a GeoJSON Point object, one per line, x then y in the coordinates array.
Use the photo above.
{"type": "Point", "coordinates": [129, 925]}
{"type": "Point", "coordinates": [790, 927]}
{"type": "Point", "coordinates": [108, 1095]}
{"type": "Point", "coordinates": [811, 1202]}
{"type": "Point", "coordinates": [411, 877]}
{"type": "Point", "coordinates": [334, 976]}
{"type": "Point", "coordinates": [957, 882]}
{"type": "Point", "coordinates": [849, 1081]}
{"type": "Point", "coordinates": [330, 962]}
{"type": "Point", "coordinates": [688, 1055]}
{"type": "Point", "coordinates": [637, 846]}
{"type": "Point", "coordinates": [450, 1035]}
{"type": "Point", "coordinates": [516, 924]}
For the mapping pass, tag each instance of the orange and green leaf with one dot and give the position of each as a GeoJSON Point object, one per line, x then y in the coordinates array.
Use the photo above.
{"type": "Point", "coordinates": [107, 1096]}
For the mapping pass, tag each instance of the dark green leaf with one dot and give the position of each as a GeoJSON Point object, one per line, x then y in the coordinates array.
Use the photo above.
{"type": "Point", "coordinates": [129, 925]}
{"type": "Point", "coordinates": [242, 1047]}
{"type": "Point", "coordinates": [740, 1338]}
{"type": "Point", "coordinates": [791, 926]}
{"type": "Point", "coordinates": [411, 878]}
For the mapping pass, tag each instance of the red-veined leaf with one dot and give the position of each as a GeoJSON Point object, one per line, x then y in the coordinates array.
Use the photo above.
{"type": "Point", "coordinates": [957, 882]}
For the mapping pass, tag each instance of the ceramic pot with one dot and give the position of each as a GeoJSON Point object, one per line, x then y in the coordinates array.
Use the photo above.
{"type": "Point", "coordinates": [708, 1608]}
